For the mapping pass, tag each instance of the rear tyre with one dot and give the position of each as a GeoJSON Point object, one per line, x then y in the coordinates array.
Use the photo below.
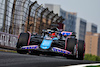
{"type": "Point", "coordinates": [22, 41]}
{"type": "Point", "coordinates": [71, 42]}
{"type": "Point", "coordinates": [81, 49]}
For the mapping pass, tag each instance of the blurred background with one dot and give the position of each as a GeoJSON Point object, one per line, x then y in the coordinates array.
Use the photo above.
{"type": "Point", "coordinates": [80, 16]}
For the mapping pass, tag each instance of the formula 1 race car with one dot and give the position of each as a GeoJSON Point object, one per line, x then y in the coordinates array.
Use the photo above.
{"type": "Point", "coordinates": [51, 42]}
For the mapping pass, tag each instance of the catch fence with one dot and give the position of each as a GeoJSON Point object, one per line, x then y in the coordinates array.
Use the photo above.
{"type": "Point", "coordinates": [18, 16]}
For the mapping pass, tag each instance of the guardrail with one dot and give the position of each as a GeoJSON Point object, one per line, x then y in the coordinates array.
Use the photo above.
{"type": "Point", "coordinates": [8, 40]}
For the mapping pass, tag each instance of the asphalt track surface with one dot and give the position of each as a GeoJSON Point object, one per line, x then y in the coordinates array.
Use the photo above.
{"type": "Point", "coordinates": [8, 59]}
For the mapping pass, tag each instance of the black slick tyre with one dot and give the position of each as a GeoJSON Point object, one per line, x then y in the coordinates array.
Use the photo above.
{"type": "Point", "coordinates": [22, 41]}
{"type": "Point", "coordinates": [81, 49]}
{"type": "Point", "coordinates": [71, 42]}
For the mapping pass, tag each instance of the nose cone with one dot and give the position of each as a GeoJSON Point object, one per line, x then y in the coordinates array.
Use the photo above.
{"type": "Point", "coordinates": [46, 44]}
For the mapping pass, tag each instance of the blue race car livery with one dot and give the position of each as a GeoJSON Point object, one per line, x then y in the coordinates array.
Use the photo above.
{"type": "Point", "coordinates": [51, 42]}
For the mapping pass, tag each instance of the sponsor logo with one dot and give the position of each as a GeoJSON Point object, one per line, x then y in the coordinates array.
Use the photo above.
{"type": "Point", "coordinates": [30, 47]}
{"type": "Point", "coordinates": [66, 33]}
{"type": "Point", "coordinates": [55, 49]}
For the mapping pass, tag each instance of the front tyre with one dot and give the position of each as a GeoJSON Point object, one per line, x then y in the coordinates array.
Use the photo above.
{"type": "Point", "coordinates": [71, 42]}
{"type": "Point", "coordinates": [22, 41]}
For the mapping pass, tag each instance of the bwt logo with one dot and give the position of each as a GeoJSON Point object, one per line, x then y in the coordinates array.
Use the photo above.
{"type": "Point", "coordinates": [34, 47]}
{"type": "Point", "coordinates": [61, 51]}
{"type": "Point", "coordinates": [66, 34]}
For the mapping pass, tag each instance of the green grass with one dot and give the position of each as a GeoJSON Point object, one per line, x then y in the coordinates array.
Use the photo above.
{"type": "Point", "coordinates": [8, 51]}
{"type": "Point", "coordinates": [91, 57]}
{"type": "Point", "coordinates": [93, 66]}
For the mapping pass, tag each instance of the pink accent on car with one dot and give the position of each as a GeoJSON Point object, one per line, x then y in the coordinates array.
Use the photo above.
{"type": "Point", "coordinates": [84, 49]}
{"type": "Point", "coordinates": [66, 32]}
{"type": "Point", "coordinates": [66, 41]}
{"type": "Point", "coordinates": [29, 38]}
{"type": "Point", "coordinates": [76, 47]}
{"type": "Point", "coordinates": [59, 50]}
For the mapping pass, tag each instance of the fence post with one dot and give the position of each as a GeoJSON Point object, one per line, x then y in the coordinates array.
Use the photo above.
{"type": "Point", "coordinates": [47, 17]}
{"type": "Point", "coordinates": [35, 20]}
{"type": "Point", "coordinates": [30, 7]}
{"type": "Point", "coordinates": [40, 28]}
{"type": "Point", "coordinates": [4, 19]}
{"type": "Point", "coordinates": [53, 18]}
{"type": "Point", "coordinates": [12, 18]}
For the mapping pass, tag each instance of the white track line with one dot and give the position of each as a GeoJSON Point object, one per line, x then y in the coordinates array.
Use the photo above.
{"type": "Point", "coordinates": [82, 65]}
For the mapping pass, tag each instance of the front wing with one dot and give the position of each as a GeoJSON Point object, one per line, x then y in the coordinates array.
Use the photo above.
{"type": "Point", "coordinates": [53, 49]}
